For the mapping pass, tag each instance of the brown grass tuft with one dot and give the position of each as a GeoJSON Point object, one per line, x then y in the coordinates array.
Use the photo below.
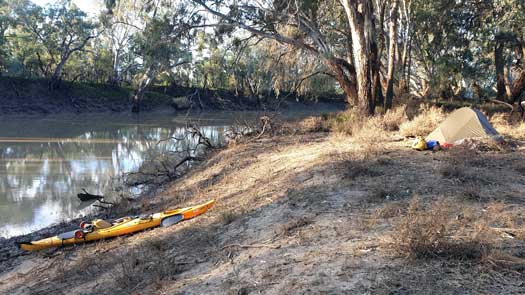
{"type": "Point", "coordinates": [229, 216]}
{"type": "Point", "coordinates": [460, 163]}
{"type": "Point", "coordinates": [507, 127]}
{"type": "Point", "coordinates": [392, 119]}
{"type": "Point", "coordinates": [432, 232]}
{"type": "Point", "coordinates": [472, 192]}
{"type": "Point", "coordinates": [366, 128]}
{"type": "Point", "coordinates": [314, 124]}
{"type": "Point", "coordinates": [390, 210]}
{"type": "Point", "coordinates": [421, 125]}
{"type": "Point", "coordinates": [143, 266]}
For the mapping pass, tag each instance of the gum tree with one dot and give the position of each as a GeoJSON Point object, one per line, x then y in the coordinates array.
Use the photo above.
{"type": "Point", "coordinates": [341, 34]}
{"type": "Point", "coordinates": [62, 29]}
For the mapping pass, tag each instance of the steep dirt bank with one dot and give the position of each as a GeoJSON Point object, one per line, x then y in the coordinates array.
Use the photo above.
{"type": "Point", "coordinates": [33, 97]}
{"type": "Point", "coordinates": [314, 213]}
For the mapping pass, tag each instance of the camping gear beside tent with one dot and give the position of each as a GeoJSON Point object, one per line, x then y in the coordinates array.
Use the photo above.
{"type": "Point", "coordinates": [419, 144]}
{"type": "Point", "coordinates": [464, 123]}
{"type": "Point", "coordinates": [101, 229]}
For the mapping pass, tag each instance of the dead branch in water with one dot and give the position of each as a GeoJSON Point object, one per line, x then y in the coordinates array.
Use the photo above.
{"type": "Point", "coordinates": [267, 125]}
{"type": "Point", "coordinates": [195, 132]}
{"type": "Point", "coordinates": [167, 172]}
{"type": "Point", "coordinates": [171, 165]}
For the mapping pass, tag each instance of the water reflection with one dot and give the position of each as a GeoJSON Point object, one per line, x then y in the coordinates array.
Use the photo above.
{"type": "Point", "coordinates": [40, 176]}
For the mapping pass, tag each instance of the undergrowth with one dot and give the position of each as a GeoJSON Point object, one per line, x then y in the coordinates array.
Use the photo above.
{"type": "Point", "coordinates": [428, 118]}
{"type": "Point", "coordinates": [442, 229]}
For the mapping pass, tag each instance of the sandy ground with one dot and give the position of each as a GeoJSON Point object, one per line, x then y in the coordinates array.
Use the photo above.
{"type": "Point", "coordinates": [312, 213]}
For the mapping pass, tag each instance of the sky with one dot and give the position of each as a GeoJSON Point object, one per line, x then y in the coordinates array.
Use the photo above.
{"type": "Point", "coordinates": [89, 6]}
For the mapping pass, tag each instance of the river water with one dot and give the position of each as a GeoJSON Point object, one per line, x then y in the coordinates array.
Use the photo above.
{"type": "Point", "coordinates": [45, 162]}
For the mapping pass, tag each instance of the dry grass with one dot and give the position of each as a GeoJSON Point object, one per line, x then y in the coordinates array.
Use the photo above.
{"type": "Point", "coordinates": [390, 210]}
{"type": "Point", "coordinates": [354, 168]}
{"type": "Point", "coordinates": [513, 128]}
{"type": "Point", "coordinates": [450, 170]}
{"type": "Point", "coordinates": [314, 124]}
{"type": "Point", "coordinates": [428, 119]}
{"type": "Point", "coordinates": [362, 127]}
{"type": "Point", "coordinates": [392, 119]}
{"type": "Point", "coordinates": [444, 229]}
{"type": "Point", "coordinates": [229, 216]}
{"type": "Point", "coordinates": [464, 164]}
{"type": "Point", "coordinates": [138, 267]}
{"type": "Point", "coordinates": [472, 192]}
{"type": "Point", "coordinates": [379, 193]}
{"type": "Point", "coordinates": [431, 232]}
{"type": "Point", "coordinates": [290, 227]}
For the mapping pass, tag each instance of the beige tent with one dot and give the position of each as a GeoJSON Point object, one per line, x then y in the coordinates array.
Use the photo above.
{"type": "Point", "coordinates": [464, 123]}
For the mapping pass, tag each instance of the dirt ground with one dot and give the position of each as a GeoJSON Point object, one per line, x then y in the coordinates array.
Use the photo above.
{"type": "Point", "coordinates": [312, 213]}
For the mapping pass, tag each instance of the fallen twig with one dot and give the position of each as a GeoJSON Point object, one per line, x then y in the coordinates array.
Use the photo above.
{"type": "Point", "coordinates": [252, 246]}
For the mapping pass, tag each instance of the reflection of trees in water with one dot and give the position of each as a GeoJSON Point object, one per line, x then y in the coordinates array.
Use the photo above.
{"type": "Point", "coordinates": [47, 175]}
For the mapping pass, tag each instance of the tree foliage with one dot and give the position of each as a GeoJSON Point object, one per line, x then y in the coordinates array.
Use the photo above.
{"type": "Point", "coordinates": [371, 51]}
{"type": "Point", "coordinates": [60, 29]}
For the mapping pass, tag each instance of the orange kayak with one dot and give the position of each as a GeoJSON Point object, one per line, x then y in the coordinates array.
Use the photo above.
{"type": "Point", "coordinates": [100, 229]}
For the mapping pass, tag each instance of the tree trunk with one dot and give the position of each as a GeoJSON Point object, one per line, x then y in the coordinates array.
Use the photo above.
{"type": "Point", "coordinates": [391, 56]}
{"type": "Point", "coordinates": [500, 71]}
{"type": "Point", "coordinates": [377, 90]}
{"type": "Point", "coordinates": [360, 18]}
{"type": "Point", "coordinates": [518, 86]}
{"type": "Point", "coordinates": [508, 81]}
{"type": "Point", "coordinates": [114, 78]}
{"type": "Point", "coordinates": [406, 48]}
{"type": "Point", "coordinates": [425, 89]}
{"type": "Point", "coordinates": [137, 97]}
{"type": "Point", "coordinates": [141, 88]}
{"type": "Point", "coordinates": [252, 89]}
{"type": "Point", "coordinates": [409, 66]}
{"type": "Point", "coordinates": [346, 83]}
{"type": "Point", "coordinates": [57, 74]}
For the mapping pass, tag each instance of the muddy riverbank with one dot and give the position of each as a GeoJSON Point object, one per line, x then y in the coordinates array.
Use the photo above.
{"type": "Point", "coordinates": [33, 97]}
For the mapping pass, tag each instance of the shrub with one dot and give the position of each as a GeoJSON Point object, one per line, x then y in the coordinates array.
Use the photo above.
{"type": "Point", "coordinates": [439, 231]}
{"type": "Point", "coordinates": [143, 266]}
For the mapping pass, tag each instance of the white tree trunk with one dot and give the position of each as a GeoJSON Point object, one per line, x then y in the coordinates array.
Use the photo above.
{"type": "Point", "coordinates": [391, 55]}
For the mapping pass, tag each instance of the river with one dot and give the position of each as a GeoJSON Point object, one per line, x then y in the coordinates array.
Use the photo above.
{"type": "Point", "coordinates": [45, 162]}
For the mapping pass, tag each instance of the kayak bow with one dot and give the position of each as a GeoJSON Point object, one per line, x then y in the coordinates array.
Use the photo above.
{"type": "Point", "coordinates": [120, 227]}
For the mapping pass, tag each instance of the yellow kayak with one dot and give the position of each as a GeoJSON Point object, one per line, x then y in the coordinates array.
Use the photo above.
{"type": "Point", "coordinates": [100, 229]}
